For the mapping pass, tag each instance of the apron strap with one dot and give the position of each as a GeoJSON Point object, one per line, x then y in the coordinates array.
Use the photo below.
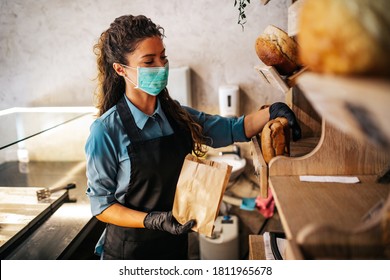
{"type": "Point", "coordinates": [128, 120]}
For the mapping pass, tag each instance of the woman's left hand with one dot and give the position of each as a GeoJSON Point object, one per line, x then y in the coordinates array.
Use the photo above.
{"type": "Point", "coordinates": [166, 222]}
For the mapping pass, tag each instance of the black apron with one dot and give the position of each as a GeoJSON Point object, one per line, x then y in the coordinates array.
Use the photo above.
{"type": "Point", "coordinates": [155, 169]}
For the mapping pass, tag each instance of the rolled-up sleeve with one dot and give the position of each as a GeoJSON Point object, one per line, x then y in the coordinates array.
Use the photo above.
{"type": "Point", "coordinates": [222, 131]}
{"type": "Point", "coordinates": [101, 168]}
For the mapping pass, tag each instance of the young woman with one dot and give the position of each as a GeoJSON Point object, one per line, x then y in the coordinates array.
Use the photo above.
{"type": "Point", "coordinates": [138, 144]}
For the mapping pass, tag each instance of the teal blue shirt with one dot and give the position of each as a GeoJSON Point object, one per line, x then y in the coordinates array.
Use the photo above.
{"type": "Point", "coordinates": [108, 164]}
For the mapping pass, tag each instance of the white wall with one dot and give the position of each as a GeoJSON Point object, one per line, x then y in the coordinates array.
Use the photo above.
{"type": "Point", "coordinates": [46, 56]}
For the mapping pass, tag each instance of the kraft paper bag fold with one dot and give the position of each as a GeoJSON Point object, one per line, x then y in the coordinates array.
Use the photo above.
{"type": "Point", "coordinates": [199, 192]}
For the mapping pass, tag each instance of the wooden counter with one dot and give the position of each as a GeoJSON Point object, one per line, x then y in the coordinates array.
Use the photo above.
{"type": "Point", "coordinates": [335, 204]}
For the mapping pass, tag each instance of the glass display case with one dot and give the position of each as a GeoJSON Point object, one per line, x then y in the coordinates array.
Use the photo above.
{"type": "Point", "coordinates": [44, 212]}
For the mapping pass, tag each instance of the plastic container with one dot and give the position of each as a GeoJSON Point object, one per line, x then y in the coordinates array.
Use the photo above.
{"type": "Point", "coordinates": [224, 244]}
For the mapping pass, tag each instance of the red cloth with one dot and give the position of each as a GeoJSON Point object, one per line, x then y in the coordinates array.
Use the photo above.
{"type": "Point", "coordinates": [266, 206]}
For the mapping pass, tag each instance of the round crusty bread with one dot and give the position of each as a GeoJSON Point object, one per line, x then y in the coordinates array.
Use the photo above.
{"type": "Point", "coordinates": [275, 48]}
{"type": "Point", "coordinates": [345, 36]}
{"type": "Point", "coordinates": [275, 140]}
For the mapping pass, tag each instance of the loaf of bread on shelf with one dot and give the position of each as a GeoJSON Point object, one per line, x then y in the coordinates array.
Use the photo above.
{"type": "Point", "coordinates": [345, 37]}
{"type": "Point", "coordinates": [275, 48]}
{"type": "Point", "coordinates": [275, 139]}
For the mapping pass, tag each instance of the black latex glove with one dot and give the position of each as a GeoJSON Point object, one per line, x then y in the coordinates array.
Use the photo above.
{"type": "Point", "coordinates": [280, 109]}
{"type": "Point", "coordinates": [166, 222]}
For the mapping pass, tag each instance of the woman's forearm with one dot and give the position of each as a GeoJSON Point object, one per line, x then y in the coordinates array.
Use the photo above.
{"type": "Point", "coordinates": [254, 122]}
{"type": "Point", "coordinates": [120, 215]}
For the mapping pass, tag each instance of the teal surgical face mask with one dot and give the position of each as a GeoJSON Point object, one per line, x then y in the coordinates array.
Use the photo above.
{"type": "Point", "coordinates": [151, 80]}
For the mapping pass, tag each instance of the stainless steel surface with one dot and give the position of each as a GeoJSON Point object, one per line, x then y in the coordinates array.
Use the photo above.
{"type": "Point", "coordinates": [59, 236]}
{"type": "Point", "coordinates": [20, 210]}
{"type": "Point", "coordinates": [65, 230]}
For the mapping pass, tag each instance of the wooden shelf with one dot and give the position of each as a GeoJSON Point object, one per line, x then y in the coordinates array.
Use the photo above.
{"type": "Point", "coordinates": [293, 17]}
{"type": "Point", "coordinates": [297, 149]}
{"type": "Point", "coordinates": [336, 154]}
{"type": "Point", "coordinates": [340, 205]}
{"type": "Point", "coordinates": [256, 247]}
{"type": "Point", "coordinates": [332, 205]}
{"type": "Point", "coordinates": [357, 106]}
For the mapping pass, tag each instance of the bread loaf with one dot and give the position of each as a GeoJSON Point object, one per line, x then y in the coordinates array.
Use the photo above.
{"type": "Point", "coordinates": [275, 48]}
{"type": "Point", "coordinates": [345, 36]}
{"type": "Point", "coordinates": [275, 139]}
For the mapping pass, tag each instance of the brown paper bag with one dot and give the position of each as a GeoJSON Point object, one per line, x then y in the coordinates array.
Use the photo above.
{"type": "Point", "coordinates": [199, 192]}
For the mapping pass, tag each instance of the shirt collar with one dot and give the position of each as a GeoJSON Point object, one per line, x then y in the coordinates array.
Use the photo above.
{"type": "Point", "coordinates": [140, 117]}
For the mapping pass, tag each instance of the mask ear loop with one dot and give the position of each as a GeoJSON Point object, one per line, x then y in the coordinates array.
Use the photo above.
{"type": "Point", "coordinates": [125, 75]}
{"type": "Point", "coordinates": [131, 81]}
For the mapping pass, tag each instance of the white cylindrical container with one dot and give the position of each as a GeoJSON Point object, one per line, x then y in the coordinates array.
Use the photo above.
{"type": "Point", "coordinates": [224, 244]}
{"type": "Point", "coordinates": [229, 100]}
